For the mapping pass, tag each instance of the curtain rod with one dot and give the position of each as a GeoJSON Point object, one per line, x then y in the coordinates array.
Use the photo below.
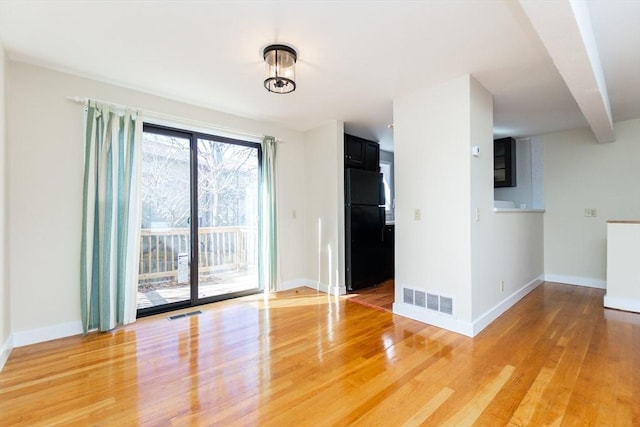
{"type": "Point", "coordinates": [173, 120]}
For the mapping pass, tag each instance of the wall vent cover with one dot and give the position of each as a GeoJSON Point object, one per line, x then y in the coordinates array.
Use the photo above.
{"type": "Point", "coordinates": [446, 305]}
{"type": "Point", "coordinates": [408, 296]}
{"type": "Point", "coordinates": [430, 301]}
{"type": "Point", "coordinates": [420, 298]}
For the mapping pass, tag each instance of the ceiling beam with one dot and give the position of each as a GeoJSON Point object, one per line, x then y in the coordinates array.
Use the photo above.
{"type": "Point", "coordinates": [564, 27]}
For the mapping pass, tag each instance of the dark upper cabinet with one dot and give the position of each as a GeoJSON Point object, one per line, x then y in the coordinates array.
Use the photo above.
{"type": "Point", "coordinates": [360, 153]}
{"type": "Point", "coordinates": [504, 162]}
{"type": "Point", "coordinates": [372, 156]}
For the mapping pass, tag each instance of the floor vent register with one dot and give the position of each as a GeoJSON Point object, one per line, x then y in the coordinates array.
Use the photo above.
{"type": "Point", "coordinates": [180, 316]}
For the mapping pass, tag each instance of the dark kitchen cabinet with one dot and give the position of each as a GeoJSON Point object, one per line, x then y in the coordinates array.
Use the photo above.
{"type": "Point", "coordinates": [360, 153]}
{"type": "Point", "coordinates": [504, 162]}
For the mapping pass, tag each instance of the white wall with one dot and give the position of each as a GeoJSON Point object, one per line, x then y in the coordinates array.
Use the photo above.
{"type": "Point", "coordinates": [537, 173]}
{"type": "Point", "coordinates": [324, 184]}
{"type": "Point", "coordinates": [432, 173]}
{"type": "Point", "coordinates": [5, 307]}
{"type": "Point", "coordinates": [292, 271]}
{"type": "Point", "coordinates": [511, 250]}
{"type": "Point", "coordinates": [579, 173]}
{"type": "Point", "coordinates": [481, 217]}
{"type": "Point", "coordinates": [45, 161]}
{"type": "Point", "coordinates": [505, 247]}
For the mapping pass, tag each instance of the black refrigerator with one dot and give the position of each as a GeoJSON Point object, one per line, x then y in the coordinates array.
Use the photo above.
{"type": "Point", "coordinates": [364, 228]}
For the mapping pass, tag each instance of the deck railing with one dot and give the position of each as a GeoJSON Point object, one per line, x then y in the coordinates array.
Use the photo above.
{"type": "Point", "coordinates": [219, 248]}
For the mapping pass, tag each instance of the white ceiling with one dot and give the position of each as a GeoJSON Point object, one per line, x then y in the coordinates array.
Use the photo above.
{"type": "Point", "coordinates": [355, 57]}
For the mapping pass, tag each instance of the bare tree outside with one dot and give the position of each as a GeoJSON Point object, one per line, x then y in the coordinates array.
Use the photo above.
{"type": "Point", "coordinates": [224, 172]}
{"type": "Point", "coordinates": [165, 177]}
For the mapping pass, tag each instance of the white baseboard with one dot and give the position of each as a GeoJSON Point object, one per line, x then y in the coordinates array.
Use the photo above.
{"type": "Point", "coordinates": [626, 304]}
{"type": "Point", "coordinates": [337, 290]}
{"type": "Point", "coordinates": [426, 316]}
{"type": "Point", "coordinates": [465, 328]}
{"type": "Point", "coordinates": [483, 321]}
{"type": "Point", "coordinates": [296, 283]}
{"type": "Point", "coordinates": [578, 281]}
{"type": "Point", "coordinates": [47, 333]}
{"type": "Point", "coordinates": [323, 287]}
{"type": "Point", "coordinates": [313, 284]}
{"type": "Point", "coordinates": [5, 351]}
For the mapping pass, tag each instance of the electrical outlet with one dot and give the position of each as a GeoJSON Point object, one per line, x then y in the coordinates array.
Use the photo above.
{"type": "Point", "coordinates": [501, 285]}
{"type": "Point", "coordinates": [591, 212]}
{"type": "Point", "coordinates": [477, 214]}
{"type": "Point", "coordinates": [417, 214]}
{"type": "Point", "coordinates": [294, 214]}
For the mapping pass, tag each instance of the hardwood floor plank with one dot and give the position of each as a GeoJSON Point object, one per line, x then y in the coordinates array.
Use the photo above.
{"type": "Point", "coordinates": [525, 411]}
{"type": "Point", "coordinates": [380, 296]}
{"type": "Point", "coordinates": [428, 383]}
{"type": "Point", "coordinates": [469, 413]}
{"type": "Point", "coordinates": [305, 358]}
{"type": "Point", "coordinates": [425, 412]}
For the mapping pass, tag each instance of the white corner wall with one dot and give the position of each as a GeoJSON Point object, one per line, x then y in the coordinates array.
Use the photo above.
{"type": "Point", "coordinates": [45, 161]}
{"type": "Point", "coordinates": [432, 174]}
{"type": "Point", "coordinates": [579, 173]}
{"type": "Point", "coordinates": [506, 248]}
{"type": "Point", "coordinates": [450, 250]}
{"type": "Point", "coordinates": [5, 307]}
{"type": "Point", "coordinates": [324, 186]}
{"type": "Point", "coordinates": [291, 211]}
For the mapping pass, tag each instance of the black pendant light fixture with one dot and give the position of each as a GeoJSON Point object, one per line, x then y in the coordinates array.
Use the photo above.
{"type": "Point", "coordinates": [281, 68]}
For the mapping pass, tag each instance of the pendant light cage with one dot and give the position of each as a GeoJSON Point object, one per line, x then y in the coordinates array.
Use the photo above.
{"type": "Point", "coordinates": [281, 72]}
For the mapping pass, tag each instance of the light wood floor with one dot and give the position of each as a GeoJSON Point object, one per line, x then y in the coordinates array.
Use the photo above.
{"type": "Point", "coordinates": [381, 296]}
{"type": "Point", "coordinates": [307, 359]}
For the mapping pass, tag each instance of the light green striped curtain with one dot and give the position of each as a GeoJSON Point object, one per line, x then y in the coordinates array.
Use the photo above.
{"type": "Point", "coordinates": [111, 218]}
{"type": "Point", "coordinates": [268, 262]}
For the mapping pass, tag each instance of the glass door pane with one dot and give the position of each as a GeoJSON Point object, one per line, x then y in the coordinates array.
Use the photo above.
{"type": "Point", "coordinates": [227, 219]}
{"type": "Point", "coordinates": [163, 276]}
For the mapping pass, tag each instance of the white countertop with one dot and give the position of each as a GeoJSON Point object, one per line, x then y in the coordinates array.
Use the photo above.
{"type": "Point", "coordinates": [518, 210]}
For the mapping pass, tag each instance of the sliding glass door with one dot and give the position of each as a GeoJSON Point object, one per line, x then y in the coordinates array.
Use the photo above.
{"type": "Point", "coordinates": [165, 245]}
{"type": "Point", "coordinates": [200, 219]}
{"type": "Point", "coordinates": [227, 218]}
